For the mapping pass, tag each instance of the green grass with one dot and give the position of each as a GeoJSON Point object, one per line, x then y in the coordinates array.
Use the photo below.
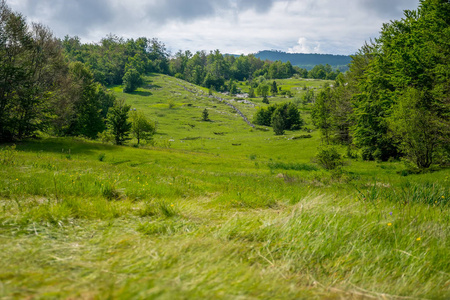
{"type": "Point", "coordinates": [199, 217]}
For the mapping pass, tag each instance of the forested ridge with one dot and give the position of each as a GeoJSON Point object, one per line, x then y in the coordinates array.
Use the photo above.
{"type": "Point", "coordinates": [307, 60]}
{"type": "Point", "coordinates": [393, 102]}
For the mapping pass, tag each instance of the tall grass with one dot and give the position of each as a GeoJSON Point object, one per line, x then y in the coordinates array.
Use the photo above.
{"type": "Point", "coordinates": [195, 221]}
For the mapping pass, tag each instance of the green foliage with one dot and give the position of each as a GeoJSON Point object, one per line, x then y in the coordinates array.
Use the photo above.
{"type": "Point", "coordinates": [309, 96]}
{"type": "Point", "coordinates": [323, 72]}
{"type": "Point", "coordinates": [289, 113]}
{"type": "Point", "coordinates": [329, 158]}
{"type": "Point", "coordinates": [274, 88]}
{"type": "Point", "coordinates": [141, 127]}
{"type": "Point", "coordinates": [132, 80]}
{"type": "Point", "coordinates": [205, 115]}
{"type": "Point", "coordinates": [113, 57]}
{"type": "Point", "coordinates": [171, 103]}
{"type": "Point", "coordinates": [304, 62]}
{"type": "Point", "coordinates": [32, 72]}
{"type": "Point", "coordinates": [90, 105]}
{"type": "Point", "coordinates": [8, 155]}
{"type": "Point", "coordinates": [263, 89]}
{"type": "Point", "coordinates": [277, 122]}
{"type": "Point", "coordinates": [400, 104]}
{"type": "Point", "coordinates": [321, 113]}
{"type": "Point", "coordinates": [118, 123]}
{"type": "Point", "coordinates": [251, 92]}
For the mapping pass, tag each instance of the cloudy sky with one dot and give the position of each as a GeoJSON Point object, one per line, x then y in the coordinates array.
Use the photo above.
{"type": "Point", "coordinates": [232, 26]}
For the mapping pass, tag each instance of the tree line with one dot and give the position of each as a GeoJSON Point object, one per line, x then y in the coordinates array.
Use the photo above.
{"type": "Point", "coordinates": [307, 60]}
{"type": "Point", "coordinates": [115, 60]}
{"type": "Point", "coordinates": [42, 89]}
{"type": "Point", "coordinates": [218, 71]}
{"type": "Point", "coordinates": [395, 100]}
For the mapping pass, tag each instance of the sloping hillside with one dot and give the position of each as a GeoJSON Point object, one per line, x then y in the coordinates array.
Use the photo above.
{"type": "Point", "coordinates": [177, 107]}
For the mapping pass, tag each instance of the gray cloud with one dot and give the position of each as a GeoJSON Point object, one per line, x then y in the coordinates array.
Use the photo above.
{"type": "Point", "coordinates": [236, 26]}
{"type": "Point", "coordinates": [75, 16]}
{"type": "Point", "coordinates": [182, 10]}
{"type": "Point", "coordinates": [260, 6]}
{"type": "Point", "coordinates": [388, 8]}
{"type": "Point", "coordinates": [188, 11]}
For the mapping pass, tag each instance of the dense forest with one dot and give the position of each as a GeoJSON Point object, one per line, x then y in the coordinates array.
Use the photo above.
{"type": "Point", "coordinates": [393, 102]}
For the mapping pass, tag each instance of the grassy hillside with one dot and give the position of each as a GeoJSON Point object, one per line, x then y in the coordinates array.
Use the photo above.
{"type": "Point", "coordinates": [215, 210]}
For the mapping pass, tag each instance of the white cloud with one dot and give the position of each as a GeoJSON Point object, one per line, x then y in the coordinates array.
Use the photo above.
{"type": "Point", "coordinates": [233, 26]}
{"type": "Point", "coordinates": [304, 46]}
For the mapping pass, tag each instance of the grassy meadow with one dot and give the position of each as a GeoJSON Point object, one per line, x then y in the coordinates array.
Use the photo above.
{"type": "Point", "coordinates": [216, 210]}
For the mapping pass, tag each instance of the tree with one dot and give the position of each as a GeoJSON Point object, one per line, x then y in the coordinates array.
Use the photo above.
{"type": "Point", "coordinates": [293, 119]}
{"type": "Point", "coordinates": [32, 68]}
{"type": "Point", "coordinates": [274, 88]}
{"type": "Point", "coordinates": [288, 112]}
{"type": "Point", "coordinates": [118, 123]}
{"type": "Point", "coordinates": [86, 119]}
{"type": "Point", "coordinates": [132, 80]}
{"type": "Point", "coordinates": [205, 115]}
{"type": "Point", "coordinates": [277, 122]}
{"type": "Point", "coordinates": [321, 113]}
{"type": "Point", "coordinates": [263, 89]}
{"type": "Point", "coordinates": [251, 92]}
{"type": "Point", "coordinates": [232, 87]}
{"type": "Point", "coordinates": [141, 127]}
{"type": "Point", "coordinates": [403, 84]}
{"type": "Point", "coordinates": [418, 130]}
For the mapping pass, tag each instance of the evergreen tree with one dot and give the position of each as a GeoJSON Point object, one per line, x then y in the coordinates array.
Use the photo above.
{"type": "Point", "coordinates": [277, 122]}
{"type": "Point", "coordinates": [274, 88]}
{"type": "Point", "coordinates": [205, 115]}
{"type": "Point", "coordinates": [321, 113]}
{"type": "Point", "coordinates": [399, 77]}
{"type": "Point", "coordinates": [118, 123]}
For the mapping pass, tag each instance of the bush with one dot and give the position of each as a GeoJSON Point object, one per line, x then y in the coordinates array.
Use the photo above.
{"type": "Point", "coordinates": [8, 155]}
{"type": "Point", "coordinates": [287, 111]}
{"type": "Point", "coordinates": [329, 158]}
{"type": "Point", "coordinates": [132, 80]}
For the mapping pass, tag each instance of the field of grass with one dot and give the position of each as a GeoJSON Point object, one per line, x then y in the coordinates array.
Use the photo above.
{"type": "Point", "coordinates": [215, 210]}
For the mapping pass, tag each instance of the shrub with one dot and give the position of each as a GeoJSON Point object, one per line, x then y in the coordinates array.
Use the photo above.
{"type": "Point", "coordinates": [8, 155]}
{"type": "Point", "coordinates": [110, 192]}
{"type": "Point", "coordinates": [329, 158]}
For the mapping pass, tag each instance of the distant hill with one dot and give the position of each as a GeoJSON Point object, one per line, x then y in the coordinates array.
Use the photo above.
{"type": "Point", "coordinates": [307, 61]}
